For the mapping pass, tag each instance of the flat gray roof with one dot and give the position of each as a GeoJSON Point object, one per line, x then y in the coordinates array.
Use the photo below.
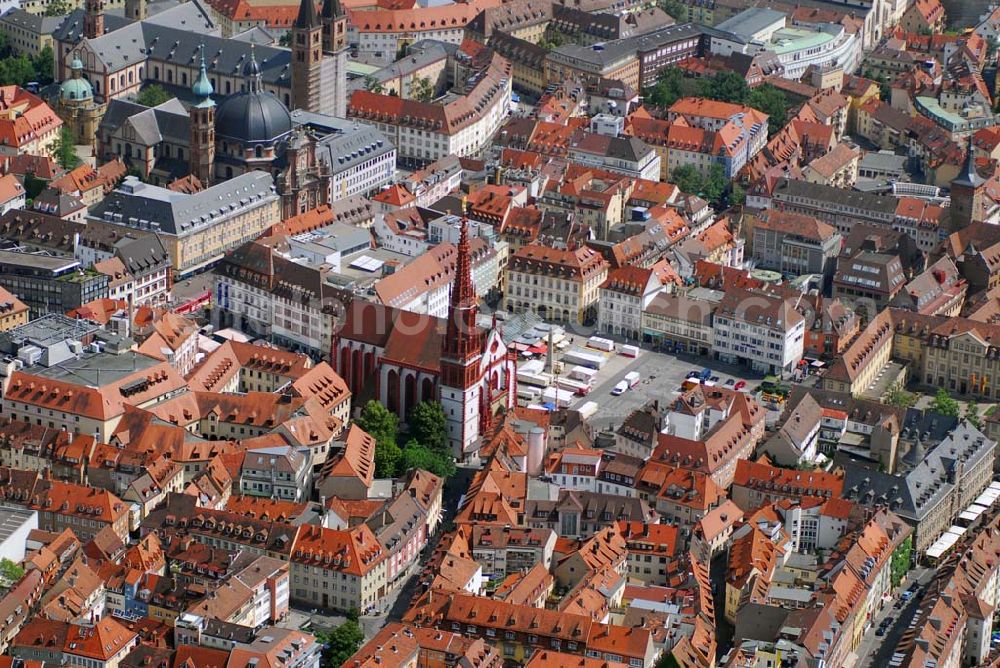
{"type": "Point", "coordinates": [12, 519]}
{"type": "Point", "coordinates": [53, 264]}
{"type": "Point", "coordinates": [96, 369]}
{"type": "Point", "coordinates": [47, 330]}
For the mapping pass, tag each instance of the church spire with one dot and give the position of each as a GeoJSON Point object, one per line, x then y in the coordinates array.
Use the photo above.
{"type": "Point", "coordinates": [463, 293]}
{"type": "Point", "coordinates": [969, 177]}
{"type": "Point", "coordinates": [307, 17]}
{"type": "Point", "coordinates": [463, 340]}
{"type": "Point", "coordinates": [202, 87]}
{"type": "Point", "coordinates": [332, 9]}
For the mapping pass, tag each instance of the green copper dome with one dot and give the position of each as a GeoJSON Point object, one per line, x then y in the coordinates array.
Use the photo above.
{"type": "Point", "coordinates": [76, 88]}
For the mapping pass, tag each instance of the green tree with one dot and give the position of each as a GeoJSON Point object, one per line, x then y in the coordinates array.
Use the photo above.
{"type": "Point", "coordinates": [899, 564]}
{"type": "Point", "coordinates": [58, 8]}
{"type": "Point", "coordinates": [417, 456]}
{"type": "Point", "coordinates": [943, 404]}
{"type": "Point", "coordinates": [429, 426]}
{"type": "Point", "coordinates": [552, 39]}
{"type": "Point", "coordinates": [771, 101]}
{"type": "Point", "coordinates": [16, 70]}
{"type": "Point", "coordinates": [900, 398]}
{"type": "Point", "coordinates": [343, 642]}
{"type": "Point", "coordinates": [422, 90]}
{"type": "Point", "coordinates": [688, 179]}
{"type": "Point", "coordinates": [973, 416]}
{"type": "Point", "coordinates": [33, 186]}
{"type": "Point", "coordinates": [153, 95]}
{"type": "Point", "coordinates": [668, 661]}
{"type": "Point", "coordinates": [383, 426]}
{"type": "Point", "coordinates": [715, 184]}
{"type": "Point", "coordinates": [738, 196]}
{"type": "Point", "coordinates": [674, 8]}
{"type": "Point", "coordinates": [286, 39]}
{"type": "Point", "coordinates": [726, 86]}
{"type": "Point", "coordinates": [44, 65]}
{"type": "Point", "coordinates": [373, 85]}
{"type": "Point", "coordinates": [64, 149]}
{"type": "Point", "coordinates": [10, 572]}
{"type": "Point", "coordinates": [671, 85]}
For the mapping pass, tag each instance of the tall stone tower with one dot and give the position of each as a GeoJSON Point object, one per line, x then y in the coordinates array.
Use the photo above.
{"type": "Point", "coordinates": [135, 10]}
{"type": "Point", "coordinates": [93, 19]}
{"type": "Point", "coordinates": [307, 58]}
{"type": "Point", "coordinates": [461, 357]}
{"type": "Point", "coordinates": [334, 98]}
{"type": "Point", "coordinates": [967, 194]}
{"type": "Point", "coordinates": [334, 26]}
{"type": "Point", "coordinates": [202, 149]}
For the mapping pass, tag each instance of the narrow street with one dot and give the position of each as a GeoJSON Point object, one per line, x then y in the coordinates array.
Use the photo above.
{"type": "Point", "coordinates": [875, 651]}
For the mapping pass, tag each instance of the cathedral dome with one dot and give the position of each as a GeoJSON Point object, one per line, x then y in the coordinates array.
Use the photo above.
{"type": "Point", "coordinates": [76, 88]}
{"type": "Point", "coordinates": [254, 115]}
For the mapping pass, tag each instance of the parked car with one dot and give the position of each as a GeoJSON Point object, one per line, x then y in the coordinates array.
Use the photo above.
{"type": "Point", "coordinates": [880, 631]}
{"type": "Point", "coordinates": [729, 381]}
{"type": "Point", "coordinates": [740, 385]}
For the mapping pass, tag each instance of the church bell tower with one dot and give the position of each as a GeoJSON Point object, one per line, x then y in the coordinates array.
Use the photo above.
{"type": "Point", "coordinates": [461, 357]}
{"type": "Point", "coordinates": [202, 149]}
{"type": "Point", "coordinates": [307, 58]}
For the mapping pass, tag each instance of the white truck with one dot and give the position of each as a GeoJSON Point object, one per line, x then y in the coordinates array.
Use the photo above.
{"type": "Point", "coordinates": [588, 410]}
{"type": "Point", "coordinates": [632, 378]}
{"type": "Point", "coordinates": [600, 343]}
{"type": "Point", "coordinates": [583, 373]}
{"type": "Point", "coordinates": [589, 358]}
{"type": "Point", "coordinates": [560, 398]}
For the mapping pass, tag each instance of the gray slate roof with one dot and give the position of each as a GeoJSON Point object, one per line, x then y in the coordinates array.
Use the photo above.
{"type": "Point", "coordinates": [152, 125]}
{"type": "Point", "coordinates": [788, 188]}
{"type": "Point", "coordinates": [33, 23]}
{"type": "Point", "coordinates": [142, 206]}
{"type": "Point", "coordinates": [175, 37]}
{"type": "Point", "coordinates": [343, 143]}
{"type": "Point", "coordinates": [142, 255]}
{"type": "Point", "coordinates": [915, 494]}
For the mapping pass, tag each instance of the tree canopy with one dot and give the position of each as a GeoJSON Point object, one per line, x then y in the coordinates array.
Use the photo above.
{"type": "Point", "coordinates": [342, 642]}
{"type": "Point", "coordinates": [64, 149]}
{"type": "Point", "coordinates": [383, 426]}
{"type": "Point", "coordinates": [429, 426]}
{"type": "Point", "coordinates": [771, 101]}
{"type": "Point", "coordinates": [713, 186]}
{"type": "Point", "coordinates": [727, 86]}
{"type": "Point", "coordinates": [674, 8]}
{"type": "Point", "coordinates": [418, 456]}
{"type": "Point", "coordinates": [422, 90]}
{"type": "Point", "coordinates": [153, 95]}
{"type": "Point", "coordinates": [19, 69]}
{"type": "Point", "coordinates": [10, 571]}
{"type": "Point", "coordinates": [943, 404]}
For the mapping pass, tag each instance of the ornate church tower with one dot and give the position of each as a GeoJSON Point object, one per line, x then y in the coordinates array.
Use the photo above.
{"type": "Point", "coordinates": [93, 19]}
{"type": "Point", "coordinates": [202, 149]}
{"type": "Point", "coordinates": [307, 58]}
{"type": "Point", "coordinates": [461, 357]}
